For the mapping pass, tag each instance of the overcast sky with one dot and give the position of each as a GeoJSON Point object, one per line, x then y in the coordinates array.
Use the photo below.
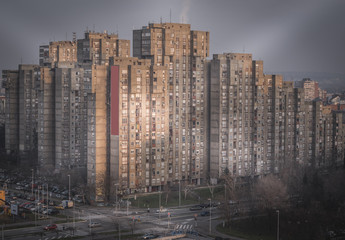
{"type": "Point", "coordinates": [289, 35]}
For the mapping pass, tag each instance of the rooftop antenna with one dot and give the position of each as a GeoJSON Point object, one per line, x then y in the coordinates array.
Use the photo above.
{"type": "Point", "coordinates": [117, 29]}
{"type": "Point", "coordinates": [74, 36]}
{"type": "Point", "coordinates": [170, 15]}
{"type": "Point", "coordinates": [93, 28]}
{"type": "Point", "coordinates": [87, 28]}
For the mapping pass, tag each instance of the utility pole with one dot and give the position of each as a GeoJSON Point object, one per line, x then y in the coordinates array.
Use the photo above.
{"type": "Point", "coordinates": [35, 209]}
{"type": "Point", "coordinates": [73, 216]}
{"type": "Point", "coordinates": [116, 197]}
{"type": "Point", "coordinates": [47, 201]}
{"type": "Point", "coordinates": [32, 182]}
{"type": "Point", "coordinates": [160, 195]}
{"type": "Point", "coordinates": [90, 226]}
{"type": "Point", "coordinates": [210, 215]}
{"type": "Point", "coordinates": [278, 225]}
{"type": "Point", "coordinates": [179, 193]}
{"type": "Point", "coordinates": [69, 187]}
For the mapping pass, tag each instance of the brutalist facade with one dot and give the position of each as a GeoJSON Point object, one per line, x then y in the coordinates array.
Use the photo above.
{"type": "Point", "coordinates": [166, 115]}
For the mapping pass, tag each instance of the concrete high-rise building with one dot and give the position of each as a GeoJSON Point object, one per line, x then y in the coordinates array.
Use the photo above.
{"type": "Point", "coordinates": [97, 48]}
{"type": "Point", "coordinates": [184, 52]}
{"type": "Point", "coordinates": [46, 120]}
{"type": "Point", "coordinates": [67, 79]}
{"type": "Point", "coordinates": [60, 51]}
{"type": "Point", "coordinates": [311, 88]}
{"type": "Point", "coordinates": [11, 85]}
{"type": "Point", "coordinates": [231, 112]}
{"type": "Point", "coordinates": [284, 127]}
{"type": "Point", "coordinates": [22, 106]}
{"type": "Point", "coordinates": [139, 124]}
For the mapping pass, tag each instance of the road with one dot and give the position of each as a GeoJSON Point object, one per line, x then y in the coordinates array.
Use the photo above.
{"type": "Point", "coordinates": [137, 221]}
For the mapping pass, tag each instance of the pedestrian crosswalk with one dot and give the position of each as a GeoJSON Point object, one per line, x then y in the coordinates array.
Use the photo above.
{"type": "Point", "coordinates": [183, 227]}
{"type": "Point", "coordinates": [63, 236]}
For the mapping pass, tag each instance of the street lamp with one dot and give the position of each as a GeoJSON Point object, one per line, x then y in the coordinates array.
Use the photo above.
{"type": "Point", "coordinates": [179, 193]}
{"type": "Point", "coordinates": [32, 182]}
{"type": "Point", "coordinates": [210, 215]}
{"type": "Point", "coordinates": [160, 195]}
{"type": "Point", "coordinates": [116, 184]}
{"type": "Point", "coordinates": [69, 187]}
{"type": "Point", "coordinates": [278, 225]}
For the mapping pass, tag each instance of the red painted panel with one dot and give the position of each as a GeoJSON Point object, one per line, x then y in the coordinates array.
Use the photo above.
{"type": "Point", "coordinates": [114, 100]}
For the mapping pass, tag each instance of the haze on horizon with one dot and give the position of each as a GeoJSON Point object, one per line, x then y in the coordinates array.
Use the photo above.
{"type": "Point", "coordinates": [289, 36]}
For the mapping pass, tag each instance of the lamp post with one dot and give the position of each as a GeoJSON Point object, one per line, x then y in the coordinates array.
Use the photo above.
{"type": "Point", "coordinates": [179, 193]}
{"type": "Point", "coordinates": [159, 202]}
{"type": "Point", "coordinates": [210, 215]}
{"type": "Point", "coordinates": [116, 184]}
{"type": "Point", "coordinates": [32, 182]}
{"type": "Point", "coordinates": [278, 225]}
{"type": "Point", "coordinates": [69, 187]}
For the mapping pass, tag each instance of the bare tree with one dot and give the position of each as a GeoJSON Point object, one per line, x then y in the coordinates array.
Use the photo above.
{"type": "Point", "coordinates": [229, 189]}
{"type": "Point", "coordinates": [271, 192]}
{"type": "Point", "coordinates": [167, 193]}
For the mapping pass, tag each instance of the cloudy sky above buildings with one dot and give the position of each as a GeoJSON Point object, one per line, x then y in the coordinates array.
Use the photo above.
{"type": "Point", "coordinates": [290, 36]}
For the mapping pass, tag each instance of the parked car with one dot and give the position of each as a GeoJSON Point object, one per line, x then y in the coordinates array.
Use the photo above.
{"type": "Point", "coordinates": [59, 207]}
{"type": "Point", "coordinates": [150, 236]}
{"type": "Point", "coordinates": [50, 227]}
{"type": "Point", "coordinates": [162, 210]}
{"type": "Point", "coordinates": [195, 208]}
{"type": "Point", "coordinates": [94, 224]}
{"type": "Point", "coordinates": [205, 213]}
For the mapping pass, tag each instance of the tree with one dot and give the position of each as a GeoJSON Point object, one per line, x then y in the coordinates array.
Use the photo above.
{"type": "Point", "coordinates": [271, 193]}
{"type": "Point", "coordinates": [229, 189]}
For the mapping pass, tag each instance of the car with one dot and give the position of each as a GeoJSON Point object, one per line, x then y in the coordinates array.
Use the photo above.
{"type": "Point", "coordinates": [50, 227]}
{"type": "Point", "coordinates": [94, 224]}
{"type": "Point", "coordinates": [59, 207]}
{"type": "Point", "coordinates": [162, 210]}
{"type": "Point", "coordinates": [195, 208]}
{"type": "Point", "coordinates": [204, 205]}
{"type": "Point", "coordinates": [150, 236]}
{"type": "Point", "coordinates": [205, 213]}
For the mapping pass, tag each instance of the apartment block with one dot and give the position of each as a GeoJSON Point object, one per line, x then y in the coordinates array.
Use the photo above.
{"type": "Point", "coordinates": [183, 51]}
{"type": "Point", "coordinates": [284, 127]}
{"type": "Point", "coordinates": [46, 120]}
{"type": "Point", "coordinates": [11, 85]}
{"type": "Point", "coordinates": [231, 112]}
{"type": "Point", "coordinates": [139, 125]}
{"type": "Point", "coordinates": [60, 51]}
{"type": "Point", "coordinates": [97, 48]}
{"type": "Point", "coordinates": [97, 140]}
{"type": "Point", "coordinates": [70, 147]}
{"type": "Point", "coordinates": [21, 108]}
{"type": "Point", "coordinates": [311, 89]}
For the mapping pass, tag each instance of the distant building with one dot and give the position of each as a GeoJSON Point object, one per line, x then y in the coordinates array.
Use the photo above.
{"type": "Point", "coordinates": [311, 89]}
